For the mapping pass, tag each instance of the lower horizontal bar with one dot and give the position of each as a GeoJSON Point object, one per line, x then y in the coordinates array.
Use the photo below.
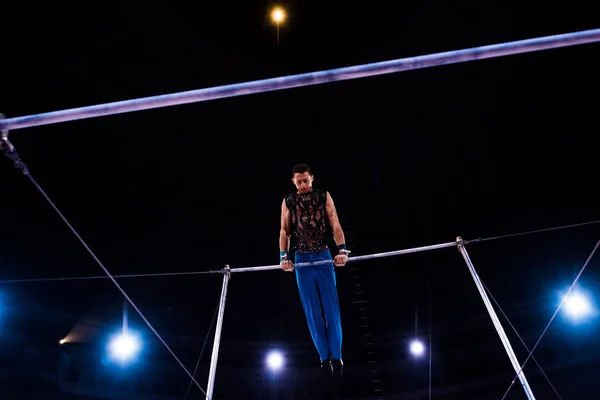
{"type": "Point", "coordinates": [220, 271]}
{"type": "Point", "coordinates": [351, 259]}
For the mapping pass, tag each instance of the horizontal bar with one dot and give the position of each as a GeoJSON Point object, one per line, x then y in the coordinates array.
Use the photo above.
{"type": "Point", "coordinates": [220, 271]}
{"type": "Point", "coordinates": [307, 79]}
{"type": "Point", "coordinates": [350, 259]}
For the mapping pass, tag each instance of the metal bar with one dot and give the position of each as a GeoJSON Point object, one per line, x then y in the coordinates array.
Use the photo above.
{"type": "Point", "coordinates": [307, 79]}
{"type": "Point", "coordinates": [219, 329]}
{"type": "Point", "coordinates": [507, 346]}
{"type": "Point", "coordinates": [220, 271]}
{"type": "Point", "coordinates": [351, 259]}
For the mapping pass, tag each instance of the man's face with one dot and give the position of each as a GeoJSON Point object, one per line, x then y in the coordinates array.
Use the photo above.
{"type": "Point", "coordinates": [303, 182]}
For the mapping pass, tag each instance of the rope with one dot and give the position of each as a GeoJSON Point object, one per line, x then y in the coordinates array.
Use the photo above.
{"type": "Point", "coordinates": [521, 339]}
{"type": "Point", "coordinates": [75, 278]}
{"type": "Point", "coordinates": [553, 316]}
{"type": "Point", "coordinates": [530, 232]}
{"type": "Point", "coordinates": [202, 351]}
{"type": "Point", "coordinates": [10, 152]}
{"type": "Point", "coordinates": [430, 331]}
{"type": "Point", "coordinates": [362, 302]}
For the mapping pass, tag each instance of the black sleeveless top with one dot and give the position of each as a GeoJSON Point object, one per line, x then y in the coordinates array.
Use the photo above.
{"type": "Point", "coordinates": [309, 221]}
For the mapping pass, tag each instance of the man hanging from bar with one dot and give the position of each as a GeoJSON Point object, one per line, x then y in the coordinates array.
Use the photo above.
{"type": "Point", "coordinates": [307, 216]}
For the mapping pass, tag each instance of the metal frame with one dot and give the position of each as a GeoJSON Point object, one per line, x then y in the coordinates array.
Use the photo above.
{"type": "Point", "coordinates": [461, 248]}
{"type": "Point", "coordinates": [490, 308]}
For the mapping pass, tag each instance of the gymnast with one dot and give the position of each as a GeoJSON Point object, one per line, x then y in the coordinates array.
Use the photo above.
{"type": "Point", "coordinates": [306, 216]}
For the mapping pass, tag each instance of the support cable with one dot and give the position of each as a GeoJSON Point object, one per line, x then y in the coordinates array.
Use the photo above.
{"type": "Point", "coordinates": [11, 153]}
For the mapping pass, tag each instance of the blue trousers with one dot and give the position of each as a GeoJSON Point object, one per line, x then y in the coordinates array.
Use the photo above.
{"type": "Point", "coordinates": [318, 293]}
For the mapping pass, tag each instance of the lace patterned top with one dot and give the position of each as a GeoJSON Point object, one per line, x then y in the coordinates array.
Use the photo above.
{"type": "Point", "coordinates": [309, 221]}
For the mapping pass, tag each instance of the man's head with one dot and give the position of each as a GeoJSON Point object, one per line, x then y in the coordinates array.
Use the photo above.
{"type": "Point", "coordinates": [302, 177]}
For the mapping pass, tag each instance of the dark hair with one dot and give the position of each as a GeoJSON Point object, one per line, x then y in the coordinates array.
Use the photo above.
{"type": "Point", "coordinates": [300, 169]}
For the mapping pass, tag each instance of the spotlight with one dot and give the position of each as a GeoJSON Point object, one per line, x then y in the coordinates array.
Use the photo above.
{"type": "Point", "coordinates": [275, 360]}
{"type": "Point", "coordinates": [417, 348]}
{"type": "Point", "coordinates": [124, 347]}
{"type": "Point", "coordinates": [577, 306]}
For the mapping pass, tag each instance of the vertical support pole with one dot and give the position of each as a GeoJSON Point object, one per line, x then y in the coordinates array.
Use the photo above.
{"type": "Point", "coordinates": [507, 346]}
{"type": "Point", "coordinates": [215, 353]}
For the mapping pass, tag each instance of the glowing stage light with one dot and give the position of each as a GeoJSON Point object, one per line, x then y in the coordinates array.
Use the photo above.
{"type": "Point", "coordinates": [417, 348]}
{"type": "Point", "coordinates": [278, 15]}
{"type": "Point", "coordinates": [275, 360]}
{"type": "Point", "coordinates": [577, 306]}
{"type": "Point", "coordinates": [124, 347]}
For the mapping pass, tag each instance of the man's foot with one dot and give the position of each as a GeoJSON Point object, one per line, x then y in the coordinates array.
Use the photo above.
{"type": "Point", "coordinates": [337, 368]}
{"type": "Point", "coordinates": [326, 368]}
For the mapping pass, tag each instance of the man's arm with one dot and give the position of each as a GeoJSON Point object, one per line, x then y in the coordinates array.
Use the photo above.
{"type": "Point", "coordinates": [338, 233]}
{"type": "Point", "coordinates": [284, 239]}
{"type": "Point", "coordinates": [285, 231]}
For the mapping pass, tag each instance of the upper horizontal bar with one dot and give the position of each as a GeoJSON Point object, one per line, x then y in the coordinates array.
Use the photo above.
{"type": "Point", "coordinates": [350, 259]}
{"type": "Point", "coordinates": [307, 79]}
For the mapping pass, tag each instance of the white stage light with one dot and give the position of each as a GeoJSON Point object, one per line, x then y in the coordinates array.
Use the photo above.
{"type": "Point", "coordinates": [275, 360]}
{"type": "Point", "coordinates": [124, 346]}
{"type": "Point", "coordinates": [417, 348]}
